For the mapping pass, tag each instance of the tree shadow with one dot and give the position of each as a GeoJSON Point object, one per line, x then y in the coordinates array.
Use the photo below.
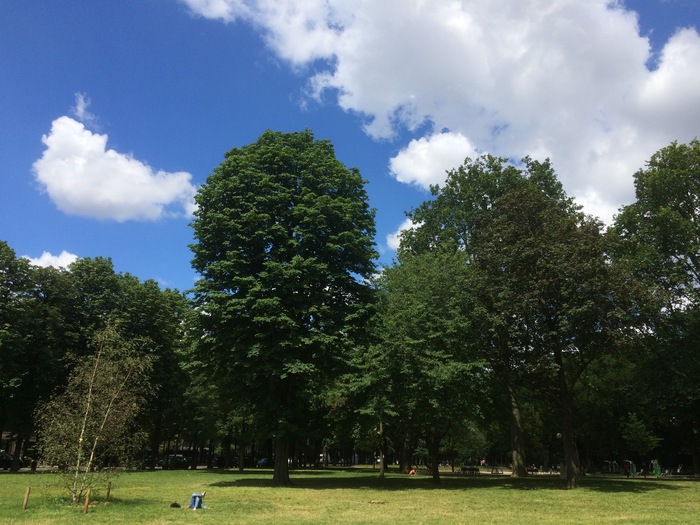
{"type": "Point", "coordinates": [452, 482]}
{"type": "Point", "coordinates": [626, 485]}
{"type": "Point", "coordinates": [267, 471]}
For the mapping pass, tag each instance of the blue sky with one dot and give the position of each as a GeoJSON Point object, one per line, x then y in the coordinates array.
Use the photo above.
{"type": "Point", "coordinates": [114, 112]}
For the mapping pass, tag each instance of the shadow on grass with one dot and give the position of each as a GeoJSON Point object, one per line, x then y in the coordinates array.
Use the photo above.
{"type": "Point", "coordinates": [122, 502]}
{"type": "Point", "coordinates": [267, 471]}
{"type": "Point", "coordinates": [397, 482]}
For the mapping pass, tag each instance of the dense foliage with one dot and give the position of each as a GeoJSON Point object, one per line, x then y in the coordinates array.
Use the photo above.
{"type": "Point", "coordinates": [511, 327]}
{"type": "Point", "coordinates": [284, 247]}
{"type": "Point", "coordinates": [51, 319]}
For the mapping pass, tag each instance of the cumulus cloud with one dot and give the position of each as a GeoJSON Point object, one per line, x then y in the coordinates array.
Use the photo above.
{"type": "Point", "coordinates": [425, 161]}
{"type": "Point", "coordinates": [63, 260]}
{"type": "Point", "coordinates": [563, 79]}
{"type": "Point", "coordinates": [82, 177]}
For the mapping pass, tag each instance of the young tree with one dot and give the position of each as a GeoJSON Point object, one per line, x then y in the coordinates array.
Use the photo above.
{"type": "Point", "coordinates": [638, 437]}
{"type": "Point", "coordinates": [284, 247]}
{"type": "Point", "coordinates": [89, 424]}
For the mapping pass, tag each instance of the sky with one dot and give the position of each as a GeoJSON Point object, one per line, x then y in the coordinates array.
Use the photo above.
{"type": "Point", "coordinates": [114, 112]}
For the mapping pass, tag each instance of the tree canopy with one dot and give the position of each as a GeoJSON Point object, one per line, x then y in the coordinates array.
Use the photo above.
{"type": "Point", "coordinates": [510, 326]}
{"type": "Point", "coordinates": [660, 235]}
{"type": "Point", "coordinates": [284, 247]}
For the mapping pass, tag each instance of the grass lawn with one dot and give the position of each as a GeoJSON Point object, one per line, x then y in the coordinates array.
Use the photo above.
{"type": "Point", "coordinates": [353, 496]}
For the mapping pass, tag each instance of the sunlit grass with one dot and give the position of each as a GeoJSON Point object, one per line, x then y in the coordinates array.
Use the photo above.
{"type": "Point", "coordinates": [354, 496]}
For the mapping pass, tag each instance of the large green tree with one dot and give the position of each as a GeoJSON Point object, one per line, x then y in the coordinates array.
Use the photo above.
{"type": "Point", "coordinates": [142, 310]}
{"type": "Point", "coordinates": [662, 228]}
{"type": "Point", "coordinates": [48, 318]}
{"type": "Point", "coordinates": [661, 233]}
{"type": "Point", "coordinates": [15, 317]}
{"type": "Point", "coordinates": [449, 221]}
{"type": "Point", "coordinates": [160, 316]}
{"type": "Point", "coordinates": [549, 291]}
{"type": "Point", "coordinates": [284, 246]}
{"type": "Point", "coordinates": [429, 339]}
{"type": "Point", "coordinates": [37, 326]}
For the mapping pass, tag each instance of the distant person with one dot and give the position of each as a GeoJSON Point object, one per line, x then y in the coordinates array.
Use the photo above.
{"type": "Point", "coordinates": [196, 501]}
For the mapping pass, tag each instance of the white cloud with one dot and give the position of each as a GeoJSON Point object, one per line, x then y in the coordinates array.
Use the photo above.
{"type": "Point", "coordinates": [393, 240]}
{"type": "Point", "coordinates": [82, 177]}
{"type": "Point", "coordinates": [63, 260]}
{"type": "Point", "coordinates": [560, 78]}
{"type": "Point", "coordinates": [665, 95]}
{"type": "Point", "coordinates": [80, 110]}
{"type": "Point", "coordinates": [225, 10]}
{"type": "Point", "coordinates": [297, 31]}
{"type": "Point", "coordinates": [425, 161]}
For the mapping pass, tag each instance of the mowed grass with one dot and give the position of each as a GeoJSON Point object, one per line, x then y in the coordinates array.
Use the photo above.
{"type": "Point", "coordinates": [353, 496]}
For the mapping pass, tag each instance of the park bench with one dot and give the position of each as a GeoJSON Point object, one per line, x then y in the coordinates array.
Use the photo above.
{"type": "Point", "coordinates": [470, 470]}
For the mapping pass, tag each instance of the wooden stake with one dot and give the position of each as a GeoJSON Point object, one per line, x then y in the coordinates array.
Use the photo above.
{"type": "Point", "coordinates": [109, 488]}
{"type": "Point", "coordinates": [26, 499]}
{"type": "Point", "coordinates": [87, 502]}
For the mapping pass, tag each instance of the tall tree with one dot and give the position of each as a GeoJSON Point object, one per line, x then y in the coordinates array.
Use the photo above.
{"type": "Point", "coordinates": [37, 326]}
{"type": "Point", "coordinates": [284, 245]}
{"type": "Point", "coordinates": [448, 222]}
{"type": "Point", "coordinates": [429, 337]}
{"type": "Point", "coordinates": [49, 331]}
{"type": "Point", "coordinates": [661, 233]}
{"type": "Point", "coordinates": [160, 316]}
{"type": "Point", "coordinates": [142, 310]}
{"type": "Point", "coordinates": [15, 316]}
{"type": "Point", "coordinates": [550, 292]}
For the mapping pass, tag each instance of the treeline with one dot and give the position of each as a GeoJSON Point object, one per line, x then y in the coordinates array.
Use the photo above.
{"type": "Point", "coordinates": [511, 327]}
{"type": "Point", "coordinates": [49, 321]}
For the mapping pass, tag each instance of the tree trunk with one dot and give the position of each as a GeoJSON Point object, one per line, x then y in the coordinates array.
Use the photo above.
{"type": "Point", "coordinates": [280, 477]}
{"type": "Point", "coordinates": [695, 454]}
{"type": "Point", "coordinates": [241, 457]}
{"type": "Point", "coordinates": [435, 460]}
{"type": "Point", "coordinates": [381, 448]}
{"type": "Point", "coordinates": [517, 445]}
{"type": "Point", "coordinates": [571, 462]}
{"type": "Point", "coordinates": [571, 465]}
{"type": "Point", "coordinates": [405, 460]}
{"type": "Point", "coordinates": [155, 444]}
{"type": "Point", "coordinates": [433, 438]}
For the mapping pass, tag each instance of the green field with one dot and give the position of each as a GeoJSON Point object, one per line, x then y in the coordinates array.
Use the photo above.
{"type": "Point", "coordinates": [353, 496]}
